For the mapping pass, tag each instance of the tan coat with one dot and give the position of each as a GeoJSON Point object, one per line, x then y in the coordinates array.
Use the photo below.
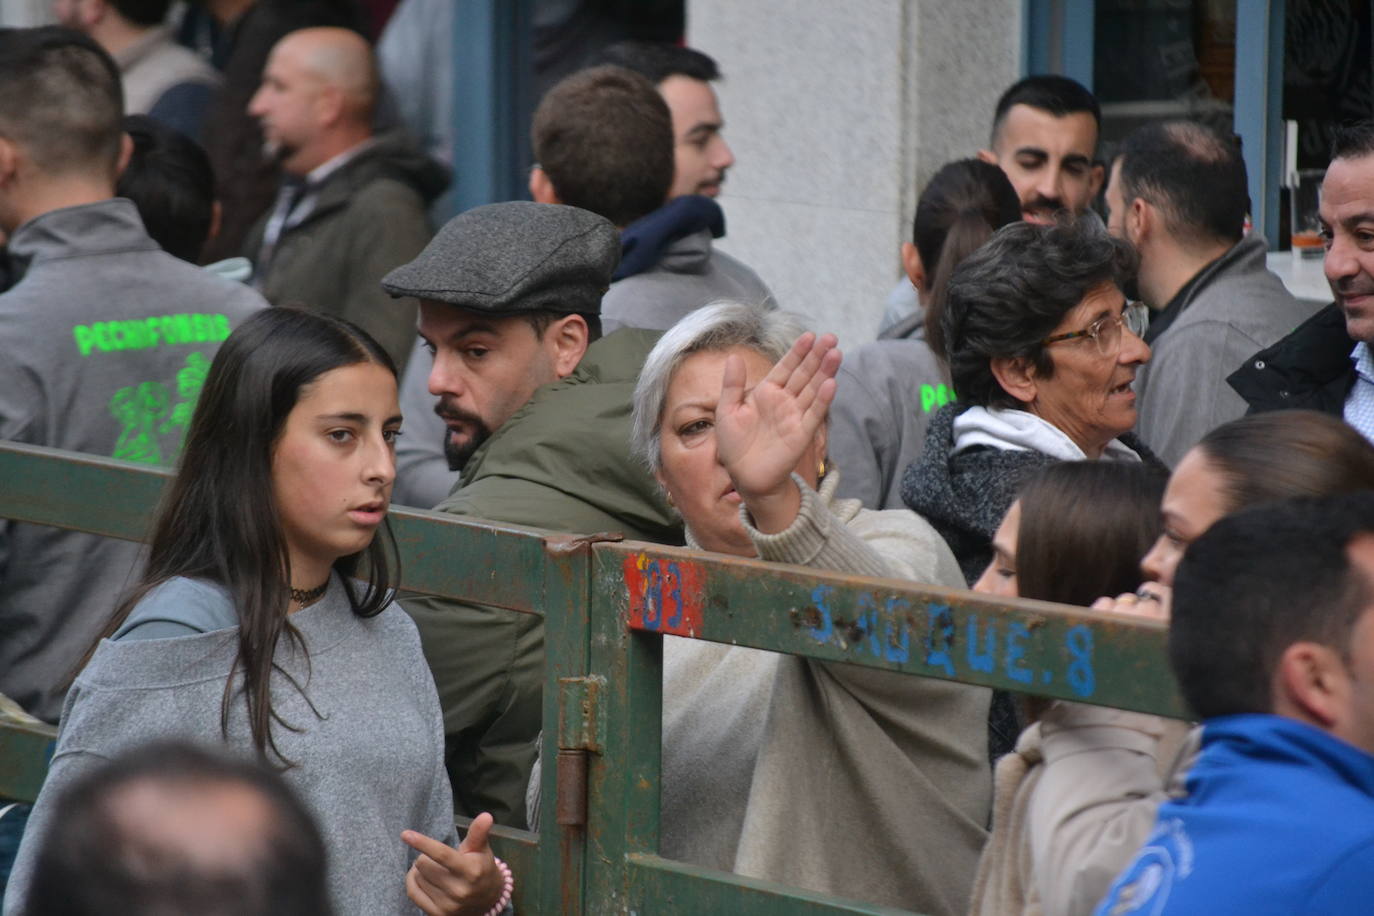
{"type": "Point", "coordinates": [1073, 803]}
{"type": "Point", "coordinates": [867, 784]}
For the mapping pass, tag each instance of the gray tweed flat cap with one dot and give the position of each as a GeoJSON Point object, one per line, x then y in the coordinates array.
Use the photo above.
{"type": "Point", "coordinates": [515, 257]}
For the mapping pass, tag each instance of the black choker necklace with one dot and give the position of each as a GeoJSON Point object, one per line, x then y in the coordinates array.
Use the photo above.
{"type": "Point", "coordinates": [304, 596]}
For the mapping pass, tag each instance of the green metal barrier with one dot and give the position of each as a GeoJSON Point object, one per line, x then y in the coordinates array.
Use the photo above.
{"type": "Point", "coordinates": [606, 607]}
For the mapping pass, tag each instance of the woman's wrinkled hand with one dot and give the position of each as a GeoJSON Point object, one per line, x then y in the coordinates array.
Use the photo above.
{"type": "Point", "coordinates": [1152, 601]}
{"type": "Point", "coordinates": [454, 882]}
{"type": "Point", "coordinates": [762, 434]}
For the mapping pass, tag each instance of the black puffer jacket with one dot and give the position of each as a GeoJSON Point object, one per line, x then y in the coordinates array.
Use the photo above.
{"type": "Point", "coordinates": [1310, 368]}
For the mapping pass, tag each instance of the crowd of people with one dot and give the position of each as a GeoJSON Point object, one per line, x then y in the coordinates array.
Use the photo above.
{"type": "Point", "coordinates": [1129, 414]}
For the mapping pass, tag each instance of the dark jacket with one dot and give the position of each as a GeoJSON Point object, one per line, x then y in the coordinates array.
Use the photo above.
{"type": "Point", "coordinates": [369, 217]}
{"type": "Point", "coordinates": [966, 495]}
{"type": "Point", "coordinates": [1310, 368]}
{"type": "Point", "coordinates": [669, 268]}
{"type": "Point", "coordinates": [562, 463]}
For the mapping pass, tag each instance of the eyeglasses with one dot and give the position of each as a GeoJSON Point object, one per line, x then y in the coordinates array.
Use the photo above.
{"type": "Point", "coordinates": [1106, 331]}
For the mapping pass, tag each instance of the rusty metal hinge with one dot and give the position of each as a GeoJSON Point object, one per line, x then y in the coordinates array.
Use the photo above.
{"type": "Point", "coordinates": [579, 734]}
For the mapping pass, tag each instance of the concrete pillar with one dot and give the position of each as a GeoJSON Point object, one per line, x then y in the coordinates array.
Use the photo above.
{"type": "Point", "coordinates": [838, 113]}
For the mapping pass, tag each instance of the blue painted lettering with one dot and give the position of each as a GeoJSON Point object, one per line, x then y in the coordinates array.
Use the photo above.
{"type": "Point", "coordinates": [985, 660]}
{"type": "Point", "coordinates": [939, 636]}
{"type": "Point", "coordinates": [822, 632]}
{"type": "Point", "coordinates": [1080, 644]}
{"type": "Point", "coordinates": [1013, 664]}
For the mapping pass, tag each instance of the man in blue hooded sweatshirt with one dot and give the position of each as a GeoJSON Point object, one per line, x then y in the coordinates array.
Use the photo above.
{"type": "Point", "coordinates": [1272, 641]}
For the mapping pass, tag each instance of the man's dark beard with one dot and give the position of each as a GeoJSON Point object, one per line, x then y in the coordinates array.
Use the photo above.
{"type": "Point", "coordinates": [1052, 204]}
{"type": "Point", "coordinates": [458, 455]}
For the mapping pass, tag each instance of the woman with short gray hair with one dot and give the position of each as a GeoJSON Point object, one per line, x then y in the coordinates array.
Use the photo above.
{"type": "Point", "coordinates": [772, 763]}
{"type": "Point", "coordinates": [1043, 348]}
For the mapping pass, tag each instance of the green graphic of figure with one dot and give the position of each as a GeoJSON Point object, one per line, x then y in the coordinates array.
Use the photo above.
{"type": "Point", "coordinates": [139, 407]}
{"type": "Point", "coordinates": [190, 380]}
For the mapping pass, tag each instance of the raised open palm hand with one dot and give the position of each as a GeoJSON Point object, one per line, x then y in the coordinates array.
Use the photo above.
{"type": "Point", "coordinates": [762, 434]}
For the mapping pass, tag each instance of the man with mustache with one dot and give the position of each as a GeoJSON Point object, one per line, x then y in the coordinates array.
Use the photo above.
{"type": "Point", "coordinates": [1044, 135]}
{"type": "Point", "coordinates": [1044, 138]}
{"type": "Point", "coordinates": [536, 406]}
{"type": "Point", "coordinates": [1326, 364]}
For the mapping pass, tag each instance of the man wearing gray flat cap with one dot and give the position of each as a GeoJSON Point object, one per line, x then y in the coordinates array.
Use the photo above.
{"type": "Point", "coordinates": [535, 410]}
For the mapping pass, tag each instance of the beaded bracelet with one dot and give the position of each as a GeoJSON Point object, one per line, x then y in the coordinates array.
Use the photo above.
{"type": "Point", "coordinates": [506, 891]}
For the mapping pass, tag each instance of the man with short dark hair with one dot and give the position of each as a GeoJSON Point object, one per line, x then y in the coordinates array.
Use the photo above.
{"type": "Point", "coordinates": [1178, 193]}
{"type": "Point", "coordinates": [352, 204]}
{"type": "Point", "coordinates": [537, 417]}
{"type": "Point", "coordinates": [683, 77]}
{"type": "Point", "coordinates": [1044, 136]}
{"type": "Point", "coordinates": [169, 179]}
{"type": "Point", "coordinates": [104, 342]}
{"type": "Point", "coordinates": [161, 78]}
{"type": "Point", "coordinates": [170, 828]}
{"type": "Point", "coordinates": [603, 141]}
{"type": "Point", "coordinates": [1326, 364]}
{"type": "Point", "coordinates": [1272, 642]}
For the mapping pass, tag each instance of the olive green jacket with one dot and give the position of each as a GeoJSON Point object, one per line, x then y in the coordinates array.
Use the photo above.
{"type": "Point", "coordinates": [368, 218]}
{"type": "Point", "coordinates": [562, 463]}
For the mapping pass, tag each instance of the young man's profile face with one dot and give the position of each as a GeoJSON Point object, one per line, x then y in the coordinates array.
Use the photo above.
{"type": "Point", "coordinates": [1049, 160]}
{"type": "Point", "coordinates": [700, 153]}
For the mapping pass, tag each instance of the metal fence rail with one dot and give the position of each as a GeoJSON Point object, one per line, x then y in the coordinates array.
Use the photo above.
{"type": "Point", "coordinates": [606, 606]}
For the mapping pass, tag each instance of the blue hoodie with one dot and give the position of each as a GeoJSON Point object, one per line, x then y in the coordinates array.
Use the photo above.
{"type": "Point", "coordinates": [1279, 818]}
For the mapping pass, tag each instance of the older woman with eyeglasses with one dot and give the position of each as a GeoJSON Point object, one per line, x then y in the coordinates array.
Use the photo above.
{"type": "Point", "coordinates": [1042, 348]}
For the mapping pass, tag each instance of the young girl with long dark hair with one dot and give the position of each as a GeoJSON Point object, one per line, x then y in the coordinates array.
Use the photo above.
{"type": "Point", "coordinates": [263, 621]}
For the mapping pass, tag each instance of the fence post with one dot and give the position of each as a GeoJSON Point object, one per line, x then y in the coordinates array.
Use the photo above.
{"type": "Point", "coordinates": [567, 620]}
{"type": "Point", "coordinates": [623, 807]}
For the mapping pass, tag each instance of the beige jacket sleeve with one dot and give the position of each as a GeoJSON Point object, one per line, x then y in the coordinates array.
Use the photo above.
{"type": "Point", "coordinates": [1104, 774]}
{"type": "Point", "coordinates": [891, 769]}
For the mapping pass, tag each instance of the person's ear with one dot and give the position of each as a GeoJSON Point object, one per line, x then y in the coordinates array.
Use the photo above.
{"type": "Point", "coordinates": [915, 270]}
{"type": "Point", "coordinates": [216, 220]}
{"type": "Point", "coordinates": [1312, 685]}
{"type": "Point", "coordinates": [541, 188]}
{"type": "Point", "coordinates": [330, 105]}
{"type": "Point", "coordinates": [1017, 376]}
{"type": "Point", "coordinates": [9, 161]}
{"type": "Point", "coordinates": [126, 152]}
{"type": "Point", "coordinates": [1141, 221]}
{"type": "Point", "coordinates": [568, 339]}
{"type": "Point", "coordinates": [988, 156]}
{"type": "Point", "coordinates": [1096, 178]}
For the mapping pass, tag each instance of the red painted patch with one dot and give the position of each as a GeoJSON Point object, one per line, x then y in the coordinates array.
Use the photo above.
{"type": "Point", "coordinates": [665, 596]}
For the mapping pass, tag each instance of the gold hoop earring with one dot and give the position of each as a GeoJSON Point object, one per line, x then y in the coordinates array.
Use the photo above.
{"type": "Point", "coordinates": [669, 497]}
{"type": "Point", "coordinates": [820, 469]}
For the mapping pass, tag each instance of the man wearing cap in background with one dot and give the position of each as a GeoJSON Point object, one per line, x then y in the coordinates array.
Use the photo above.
{"type": "Point", "coordinates": [537, 408]}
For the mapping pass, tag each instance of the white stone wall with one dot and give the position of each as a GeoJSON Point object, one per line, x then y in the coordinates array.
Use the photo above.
{"type": "Point", "coordinates": [838, 113]}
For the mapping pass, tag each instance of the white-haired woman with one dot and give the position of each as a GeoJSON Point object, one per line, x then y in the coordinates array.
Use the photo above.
{"type": "Point", "coordinates": [845, 780]}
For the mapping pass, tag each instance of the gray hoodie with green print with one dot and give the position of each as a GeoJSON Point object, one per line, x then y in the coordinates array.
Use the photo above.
{"type": "Point", "coordinates": [104, 345]}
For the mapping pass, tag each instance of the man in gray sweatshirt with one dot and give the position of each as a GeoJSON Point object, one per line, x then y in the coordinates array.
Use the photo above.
{"type": "Point", "coordinates": [104, 340]}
